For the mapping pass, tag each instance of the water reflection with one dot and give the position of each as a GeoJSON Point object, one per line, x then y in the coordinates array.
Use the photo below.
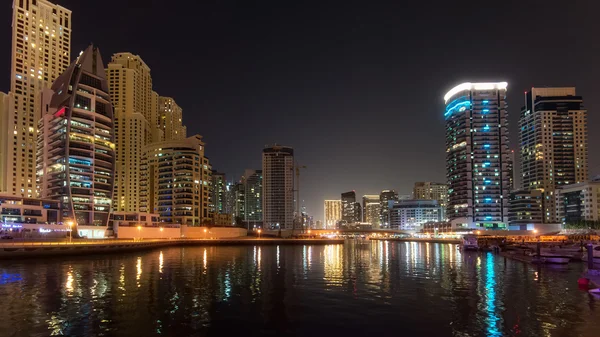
{"type": "Point", "coordinates": [428, 289]}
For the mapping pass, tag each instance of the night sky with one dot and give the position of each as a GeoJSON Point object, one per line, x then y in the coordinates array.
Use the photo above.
{"type": "Point", "coordinates": [355, 87]}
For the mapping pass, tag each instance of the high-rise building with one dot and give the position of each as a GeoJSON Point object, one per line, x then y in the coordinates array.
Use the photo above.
{"type": "Point", "coordinates": [218, 192]}
{"type": "Point", "coordinates": [477, 155]}
{"type": "Point", "coordinates": [229, 203]}
{"type": "Point", "coordinates": [432, 191]}
{"type": "Point", "coordinates": [75, 147]}
{"type": "Point", "coordinates": [371, 209]}
{"type": "Point", "coordinates": [130, 87]}
{"type": "Point", "coordinates": [579, 203]}
{"type": "Point", "coordinates": [410, 215]}
{"type": "Point", "coordinates": [3, 139]}
{"type": "Point", "coordinates": [349, 207]}
{"type": "Point", "coordinates": [553, 138]}
{"type": "Point", "coordinates": [385, 197]}
{"type": "Point", "coordinates": [525, 209]}
{"type": "Point", "coordinates": [239, 206]}
{"type": "Point", "coordinates": [333, 213]}
{"type": "Point", "coordinates": [41, 47]}
{"type": "Point", "coordinates": [253, 194]}
{"type": "Point", "coordinates": [170, 119]}
{"type": "Point", "coordinates": [176, 177]}
{"type": "Point", "coordinates": [278, 187]}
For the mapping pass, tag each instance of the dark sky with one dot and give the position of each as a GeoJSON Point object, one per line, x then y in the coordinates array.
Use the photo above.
{"type": "Point", "coordinates": [355, 87]}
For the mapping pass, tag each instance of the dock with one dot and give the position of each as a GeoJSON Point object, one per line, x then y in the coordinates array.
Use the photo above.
{"type": "Point", "coordinates": [24, 249]}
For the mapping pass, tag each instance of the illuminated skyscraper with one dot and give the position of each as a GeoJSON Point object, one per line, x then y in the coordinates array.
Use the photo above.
{"type": "Point", "coordinates": [349, 207]}
{"type": "Point", "coordinates": [333, 213]}
{"type": "Point", "coordinates": [176, 179]}
{"type": "Point", "coordinates": [278, 187]}
{"type": "Point", "coordinates": [41, 47]}
{"type": "Point", "coordinates": [218, 192]}
{"type": "Point", "coordinates": [253, 195]}
{"type": "Point", "coordinates": [384, 201]}
{"type": "Point", "coordinates": [478, 164]}
{"type": "Point", "coordinates": [170, 119]}
{"type": "Point", "coordinates": [371, 209]}
{"type": "Point", "coordinates": [75, 148]}
{"type": "Point", "coordinates": [130, 87]}
{"type": "Point", "coordinates": [553, 138]}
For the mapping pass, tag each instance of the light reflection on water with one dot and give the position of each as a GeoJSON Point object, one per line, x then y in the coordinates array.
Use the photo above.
{"type": "Point", "coordinates": [427, 289]}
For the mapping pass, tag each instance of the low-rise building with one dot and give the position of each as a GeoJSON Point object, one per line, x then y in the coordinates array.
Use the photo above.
{"type": "Point", "coordinates": [525, 209]}
{"type": "Point", "coordinates": [578, 203]}
{"type": "Point", "coordinates": [412, 214]}
{"type": "Point", "coordinates": [223, 219]}
{"type": "Point", "coordinates": [20, 210]}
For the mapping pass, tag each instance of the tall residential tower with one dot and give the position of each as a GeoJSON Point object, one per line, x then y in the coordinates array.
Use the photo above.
{"type": "Point", "coordinates": [75, 148]}
{"type": "Point", "coordinates": [553, 138]}
{"type": "Point", "coordinates": [41, 47]}
{"type": "Point", "coordinates": [278, 187]}
{"type": "Point", "coordinates": [478, 165]}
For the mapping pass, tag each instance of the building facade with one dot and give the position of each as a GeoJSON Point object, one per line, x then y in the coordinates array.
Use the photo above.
{"type": "Point", "coordinates": [349, 207]}
{"type": "Point", "coordinates": [218, 192]}
{"type": "Point", "coordinates": [385, 198]}
{"type": "Point", "coordinates": [333, 213]}
{"type": "Point", "coordinates": [41, 48]}
{"type": "Point", "coordinates": [478, 168]}
{"type": "Point", "coordinates": [278, 187]}
{"type": "Point", "coordinates": [75, 147]}
{"type": "Point", "coordinates": [371, 209]}
{"type": "Point", "coordinates": [525, 209]}
{"type": "Point", "coordinates": [176, 178]}
{"type": "Point", "coordinates": [432, 191]}
{"type": "Point", "coordinates": [170, 119]}
{"type": "Point", "coordinates": [253, 195]}
{"type": "Point", "coordinates": [15, 210]}
{"type": "Point", "coordinates": [410, 215]}
{"type": "Point", "coordinates": [239, 193]}
{"type": "Point", "coordinates": [578, 203]}
{"type": "Point", "coordinates": [130, 87]}
{"type": "Point", "coordinates": [553, 138]}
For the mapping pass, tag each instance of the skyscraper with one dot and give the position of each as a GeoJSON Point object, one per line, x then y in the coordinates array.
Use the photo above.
{"type": "Point", "coordinates": [75, 148]}
{"type": "Point", "coordinates": [253, 187]}
{"type": "Point", "coordinates": [176, 179]}
{"type": "Point", "coordinates": [432, 191]}
{"type": "Point", "coordinates": [553, 138]}
{"type": "Point", "coordinates": [348, 207]}
{"type": "Point", "coordinates": [218, 192]}
{"type": "Point", "coordinates": [41, 47]}
{"type": "Point", "coordinates": [278, 187]}
{"type": "Point", "coordinates": [333, 213]}
{"type": "Point", "coordinates": [371, 209]}
{"type": "Point", "coordinates": [130, 87]}
{"type": "Point", "coordinates": [170, 119]}
{"type": "Point", "coordinates": [477, 155]}
{"type": "Point", "coordinates": [384, 201]}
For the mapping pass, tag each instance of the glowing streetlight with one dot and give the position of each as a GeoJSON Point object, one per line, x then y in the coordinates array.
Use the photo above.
{"type": "Point", "coordinates": [70, 224]}
{"type": "Point", "coordinates": [204, 233]}
{"type": "Point", "coordinates": [161, 232]}
{"type": "Point", "coordinates": [535, 231]}
{"type": "Point", "coordinates": [259, 233]}
{"type": "Point", "coordinates": [140, 232]}
{"type": "Point", "coordinates": [309, 232]}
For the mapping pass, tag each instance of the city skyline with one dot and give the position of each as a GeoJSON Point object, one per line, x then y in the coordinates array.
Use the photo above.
{"type": "Point", "coordinates": [385, 88]}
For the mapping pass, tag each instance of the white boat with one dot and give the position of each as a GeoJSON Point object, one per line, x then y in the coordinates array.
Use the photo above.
{"type": "Point", "coordinates": [551, 258]}
{"type": "Point", "coordinates": [596, 256]}
{"type": "Point", "coordinates": [595, 292]}
{"type": "Point", "coordinates": [469, 242]}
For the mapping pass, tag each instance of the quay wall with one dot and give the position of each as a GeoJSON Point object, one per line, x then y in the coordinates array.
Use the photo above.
{"type": "Point", "coordinates": [124, 232]}
{"type": "Point", "coordinates": [212, 232]}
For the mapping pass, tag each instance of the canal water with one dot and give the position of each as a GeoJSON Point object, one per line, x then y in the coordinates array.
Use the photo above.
{"type": "Point", "coordinates": [362, 288]}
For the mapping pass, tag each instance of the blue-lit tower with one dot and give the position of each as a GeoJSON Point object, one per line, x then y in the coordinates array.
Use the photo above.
{"type": "Point", "coordinates": [478, 167]}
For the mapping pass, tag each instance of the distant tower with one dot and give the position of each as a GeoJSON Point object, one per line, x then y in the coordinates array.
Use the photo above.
{"type": "Point", "coordinates": [348, 206]}
{"type": "Point", "coordinates": [278, 187]}
{"type": "Point", "coordinates": [76, 149]}
{"type": "Point", "coordinates": [384, 200]}
{"type": "Point", "coordinates": [478, 164]}
{"type": "Point", "coordinates": [333, 213]}
{"type": "Point", "coordinates": [553, 138]}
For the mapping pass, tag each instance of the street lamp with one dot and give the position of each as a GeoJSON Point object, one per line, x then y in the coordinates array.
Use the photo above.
{"type": "Point", "coordinates": [161, 232]}
{"type": "Point", "coordinates": [70, 224]}
{"type": "Point", "coordinates": [140, 232]}
{"type": "Point", "coordinates": [259, 233]}
{"type": "Point", "coordinates": [204, 233]}
{"type": "Point", "coordinates": [309, 232]}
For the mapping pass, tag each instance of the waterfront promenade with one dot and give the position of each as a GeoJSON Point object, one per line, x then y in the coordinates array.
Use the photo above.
{"type": "Point", "coordinates": [430, 240]}
{"type": "Point", "coordinates": [30, 248]}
